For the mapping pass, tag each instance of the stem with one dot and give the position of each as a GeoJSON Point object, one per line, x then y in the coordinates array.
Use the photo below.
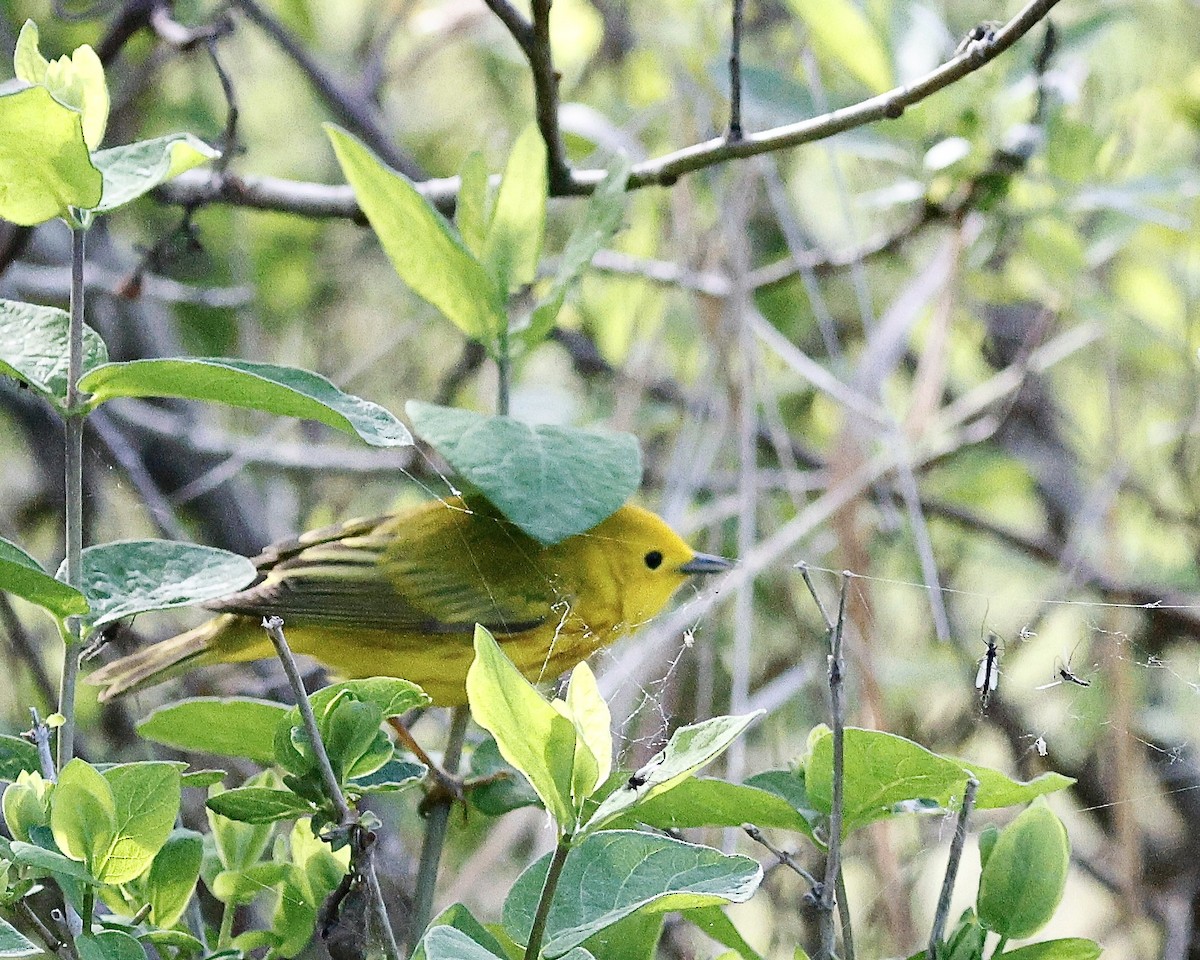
{"type": "Point", "coordinates": [274, 628]}
{"type": "Point", "coordinates": [74, 496]}
{"type": "Point", "coordinates": [226, 932]}
{"type": "Point", "coordinates": [833, 863]}
{"type": "Point", "coordinates": [504, 372]}
{"type": "Point", "coordinates": [41, 736]}
{"type": "Point", "coordinates": [53, 942]}
{"type": "Point", "coordinates": [435, 829]}
{"type": "Point", "coordinates": [389, 935]}
{"type": "Point", "coordinates": [956, 849]}
{"type": "Point", "coordinates": [89, 908]}
{"type": "Point", "coordinates": [735, 74]}
{"type": "Point", "coordinates": [843, 905]}
{"type": "Point", "coordinates": [538, 930]}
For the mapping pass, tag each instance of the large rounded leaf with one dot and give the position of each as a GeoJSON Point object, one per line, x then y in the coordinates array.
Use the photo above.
{"type": "Point", "coordinates": [552, 482]}
{"type": "Point", "coordinates": [1025, 875]}
{"type": "Point", "coordinates": [34, 346]}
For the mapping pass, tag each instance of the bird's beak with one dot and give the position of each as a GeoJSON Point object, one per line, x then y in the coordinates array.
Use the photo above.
{"type": "Point", "coordinates": [706, 563]}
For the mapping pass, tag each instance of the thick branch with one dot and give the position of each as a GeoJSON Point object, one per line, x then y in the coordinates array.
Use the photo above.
{"type": "Point", "coordinates": [320, 200]}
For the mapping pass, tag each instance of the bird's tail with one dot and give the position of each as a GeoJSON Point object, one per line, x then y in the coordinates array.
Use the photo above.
{"type": "Point", "coordinates": [158, 662]}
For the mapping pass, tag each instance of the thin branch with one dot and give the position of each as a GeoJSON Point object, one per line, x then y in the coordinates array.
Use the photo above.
{"type": "Point", "coordinates": [956, 849]}
{"type": "Point", "coordinates": [833, 862]}
{"type": "Point", "coordinates": [347, 104]}
{"type": "Point", "coordinates": [735, 74]}
{"type": "Point", "coordinates": [782, 856]}
{"type": "Point", "coordinates": [320, 200]}
{"type": "Point", "coordinates": [55, 944]}
{"type": "Point", "coordinates": [274, 628]}
{"type": "Point", "coordinates": [537, 932]}
{"type": "Point", "coordinates": [515, 22]}
{"type": "Point", "coordinates": [41, 737]}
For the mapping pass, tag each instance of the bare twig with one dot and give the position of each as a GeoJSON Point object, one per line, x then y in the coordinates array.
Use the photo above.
{"type": "Point", "coordinates": [55, 944]}
{"type": "Point", "coordinates": [956, 849]}
{"type": "Point", "coordinates": [833, 862]}
{"type": "Point", "coordinates": [735, 73]}
{"type": "Point", "coordinates": [318, 200]}
{"type": "Point", "coordinates": [41, 737]}
{"type": "Point", "coordinates": [781, 855]}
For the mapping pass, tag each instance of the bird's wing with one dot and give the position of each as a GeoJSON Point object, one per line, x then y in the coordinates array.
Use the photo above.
{"type": "Point", "coordinates": [381, 576]}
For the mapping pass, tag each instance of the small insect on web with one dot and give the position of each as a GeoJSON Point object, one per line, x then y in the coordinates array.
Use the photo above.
{"type": "Point", "coordinates": [988, 678]}
{"type": "Point", "coordinates": [1063, 674]}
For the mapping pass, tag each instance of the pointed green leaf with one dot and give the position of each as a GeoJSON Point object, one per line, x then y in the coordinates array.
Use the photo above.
{"type": "Point", "coordinates": [76, 81]}
{"type": "Point", "coordinates": [552, 482]}
{"type": "Point", "coordinates": [391, 695]}
{"type": "Point", "coordinates": [225, 726]}
{"type": "Point", "coordinates": [135, 169]}
{"type": "Point", "coordinates": [127, 577]}
{"type": "Point", "coordinates": [533, 736]}
{"type": "Point", "coordinates": [23, 577]}
{"type": "Point", "coordinates": [286, 391]}
{"type": "Point", "coordinates": [472, 214]}
{"type": "Point", "coordinates": [458, 917]}
{"type": "Point", "coordinates": [45, 167]}
{"type": "Point", "coordinates": [34, 344]}
{"type": "Point", "coordinates": [173, 875]}
{"type": "Point", "coordinates": [259, 805]}
{"type": "Point", "coordinates": [14, 944]}
{"type": "Point", "coordinates": [593, 733]}
{"type": "Point", "coordinates": [83, 815]}
{"type": "Point", "coordinates": [689, 749]}
{"type": "Point", "coordinates": [601, 220]}
{"type": "Point", "coordinates": [40, 858]}
{"type": "Point", "coordinates": [427, 254]}
{"type": "Point", "coordinates": [1069, 948]}
{"type": "Point", "coordinates": [514, 238]}
{"type": "Point", "coordinates": [450, 943]}
{"type": "Point", "coordinates": [841, 31]}
{"type": "Point", "coordinates": [612, 874]}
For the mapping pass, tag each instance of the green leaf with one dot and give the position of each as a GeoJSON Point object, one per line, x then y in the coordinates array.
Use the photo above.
{"type": "Point", "coordinates": [127, 577]}
{"type": "Point", "coordinates": [239, 845]}
{"type": "Point", "coordinates": [532, 736]}
{"type": "Point", "coordinates": [39, 858]}
{"type": "Point", "coordinates": [633, 938]}
{"type": "Point", "coordinates": [450, 943]}
{"type": "Point", "coordinates": [259, 805]}
{"type": "Point", "coordinates": [689, 749]}
{"type": "Point", "coordinates": [426, 253]}
{"type": "Point", "coordinates": [21, 576]}
{"type": "Point", "coordinates": [146, 803]}
{"type": "Point", "coordinates": [83, 815]}
{"type": "Point", "coordinates": [201, 778]}
{"type": "Point", "coordinates": [552, 482]}
{"type": "Point", "coordinates": [17, 755]}
{"type": "Point", "coordinates": [34, 343]}
{"type": "Point", "coordinates": [392, 776]}
{"type": "Point", "coordinates": [514, 238]}
{"type": "Point", "coordinates": [708, 802]}
{"type": "Point", "coordinates": [109, 945]}
{"type": "Point", "coordinates": [716, 923]}
{"type": "Point", "coordinates": [593, 734]}
{"type": "Point", "coordinates": [184, 942]}
{"type": "Point", "coordinates": [225, 726]}
{"type": "Point", "coordinates": [286, 391]}
{"type": "Point", "coordinates": [135, 169]}
{"type": "Point", "coordinates": [1071, 948]}
{"type": "Point", "coordinates": [172, 876]}
{"type": "Point", "coordinates": [45, 168]}
{"type": "Point", "coordinates": [393, 696]}
{"type": "Point", "coordinates": [14, 944]}
{"type": "Point", "coordinates": [601, 220]}
{"type": "Point", "coordinates": [76, 81]}
{"type": "Point", "coordinates": [1026, 873]}
{"type": "Point", "coordinates": [458, 917]}
{"type": "Point", "coordinates": [612, 874]}
{"type": "Point", "coordinates": [504, 794]}
{"type": "Point", "coordinates": [471, 213]}
{"type": "Point", "coordinates": [884, 770]}
{"type": "Point", "coordinates": [841, 32]}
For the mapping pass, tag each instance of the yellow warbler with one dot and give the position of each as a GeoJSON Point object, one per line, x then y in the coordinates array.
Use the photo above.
{"type": "Point", "coordinates": [400, 595]}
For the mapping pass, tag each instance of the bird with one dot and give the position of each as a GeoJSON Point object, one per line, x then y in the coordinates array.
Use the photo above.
{"type": "Point", "coordinates": [399, 595]}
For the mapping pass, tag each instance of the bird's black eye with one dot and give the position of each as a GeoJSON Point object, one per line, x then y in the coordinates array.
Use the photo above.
{"type": "Point", "coordinates": [654, 559]}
